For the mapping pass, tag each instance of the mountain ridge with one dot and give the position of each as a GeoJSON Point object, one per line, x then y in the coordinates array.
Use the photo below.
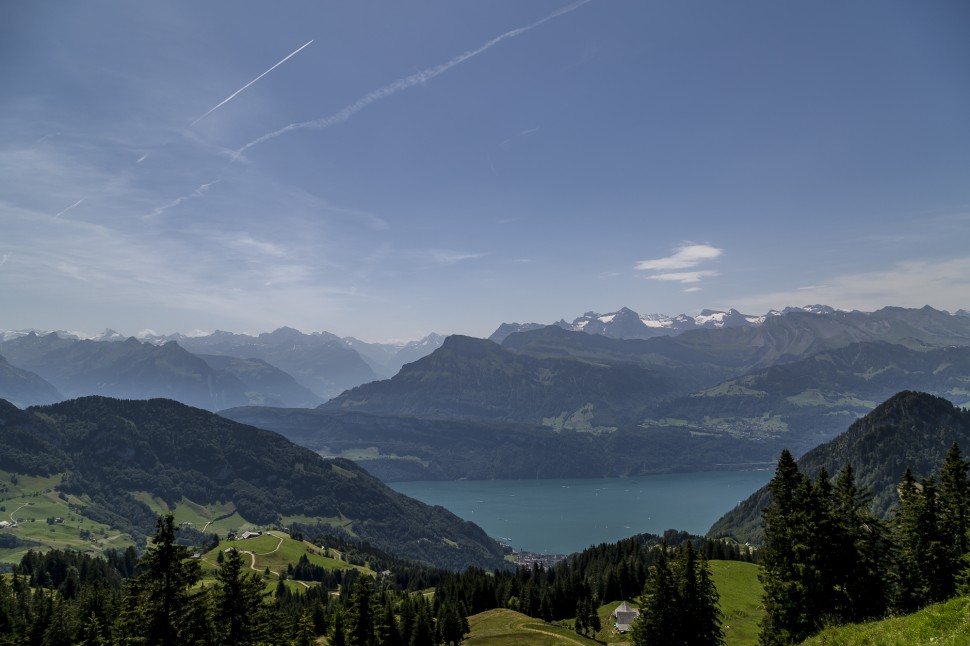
{"type": "Point", "coordinates": [109, 449]}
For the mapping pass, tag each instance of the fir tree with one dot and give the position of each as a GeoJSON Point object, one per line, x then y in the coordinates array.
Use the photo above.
{"type": "Point", "coordinates": [784, 575]}
{"type": "Point", "coordinates": [237, 603]}
{"type": "Point", "coordinates": [159, 596]}
{"type": "Point", "coordinates": [658, 622]}
{"type": "Point", "coordinates": [361, 631]}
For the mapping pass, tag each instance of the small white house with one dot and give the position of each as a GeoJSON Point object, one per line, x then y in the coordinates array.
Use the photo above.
{"type": "Point", "coordinates": [624, 615]}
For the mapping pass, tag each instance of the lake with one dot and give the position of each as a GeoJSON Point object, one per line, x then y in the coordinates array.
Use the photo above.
{"type": "Point", "coordinates": [565, 516]}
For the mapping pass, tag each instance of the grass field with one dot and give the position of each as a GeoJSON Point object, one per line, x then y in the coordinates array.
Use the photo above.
{"type": "Point", "coordinates": [946, 624]}
{"type": "Point", "coordinates": [740, 591]}
{"type": "Point", "coordinates": [737, 583]}
{"type": "Point", "coordinates": [29, 501]}
{"type": "Point", "coordinates": [510, 628]}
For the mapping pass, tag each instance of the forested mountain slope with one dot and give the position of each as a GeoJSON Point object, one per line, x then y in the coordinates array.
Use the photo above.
{"type": "Point", "coordinates": [110, 450]}
{"type": "Point", "coordinates": [910, 429]}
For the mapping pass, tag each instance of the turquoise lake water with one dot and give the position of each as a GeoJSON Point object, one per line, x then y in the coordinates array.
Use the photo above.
{"type": "Point", "coordinates": [565, 516]}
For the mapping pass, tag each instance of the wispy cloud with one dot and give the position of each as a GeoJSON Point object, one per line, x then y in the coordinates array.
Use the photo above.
{"type": "Point", "coordinates": [406, 82]}
{"type": "Point", "coordinates": [142, 158]}
{"type": "Point", "coordinates": [507, 143]}
{"type": "Point", "coordinates": [234, 94]}
{"type": "Point", "coordinates": [684, 276]}
{"type": "Point", "coordinates": [688, 255]}
{"type": "Point", "coordinates": [248, 243]}
{"type": "Point", "coordinates": [197, 193]}
{"type": "Point", "coordinates": [446, 256]}
{"type": "Point", "coordinates": [913, 283]}
{"type": "Point", "coordinates": [3, 259]}
{"type": "Point", "coordinates": [69, 208]}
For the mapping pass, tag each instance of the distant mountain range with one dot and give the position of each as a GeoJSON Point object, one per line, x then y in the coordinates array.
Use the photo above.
{"type": "Point", "coordinates": [282, 368]}
{"type": "Point", "coordinates": [704, 398]}
{"type": "Point", "coordinates": [117, 461]}
{"type": "Point", "coordinates": [910, 429]}
{"type": "Point", "coordinates": [627, 324]}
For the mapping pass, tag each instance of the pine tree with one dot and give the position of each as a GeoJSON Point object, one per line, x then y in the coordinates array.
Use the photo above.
{"type": "Point", "coordinates": [954, 515]}
{"type": "Point", "coordinates": [159, 596]}
{"type": "Point", "coordinates": [423, 632]}
{"type": "Point", "coordinates": [361, 630]}
{"type": "Point", "coordinates": [924, 569]}
{"type": "Point", "coordinates": [786, 596]}
{"type": "Point", "coordinates": [582, 611]}
{"type": "Point", "coordinates": [237, 603]}
{"type": "Point", "coordinates": [658, 622]}
{"type": "Point", "coordinates": [860, 562]}
{"type": "Point", "coordinates": [305, 632]}
{"type": "Point", "coordinates": [700, 614]}
{"type": "Point", "coordinates": [338, 631]}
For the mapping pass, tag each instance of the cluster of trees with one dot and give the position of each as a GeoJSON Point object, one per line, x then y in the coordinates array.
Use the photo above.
{"type": "Point", "coordinates": [827, 559]}
{"type": "Point", "coordinates": [69, 599]}
{"type": "Point", "coordinates": [668, 573]}
{"type": "Point", "coordinates": [679, 605]}
{"type": "Point", "coordinates": [65, 598]}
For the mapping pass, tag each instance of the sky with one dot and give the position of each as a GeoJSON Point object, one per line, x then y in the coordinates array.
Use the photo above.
{"type": "Point", "coordinates": [388, 169]}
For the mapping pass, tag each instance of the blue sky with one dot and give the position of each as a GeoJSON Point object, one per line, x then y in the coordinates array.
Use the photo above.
{"type": "Point", "coordinates": [385, 170]}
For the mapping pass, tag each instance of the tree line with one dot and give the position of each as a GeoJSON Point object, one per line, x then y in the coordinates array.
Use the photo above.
{"type": "Point", "coordinates": [63, 598]}
{"type": "Point", "coordinates": [827, 559]}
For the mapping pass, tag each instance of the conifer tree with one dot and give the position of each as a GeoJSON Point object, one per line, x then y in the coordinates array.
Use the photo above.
{"type": "Point", "coordinates": [305, 634]}
{"type": "Point", "coordinates": [159, 596]}
{"type": "Point", "coordinates": [860, 562]}
{"type": "Point", "coordinates": [954, 516]}
{"type": "Point", "coordinates": [423, 631]}
{"type": "Point", "coordinates": [699, 610]}
{"type": "Point", "coordinates": [783, 574]}
{"type": "Point", "coordinates": [361, 631]}
{"type": "Point", "coordinates": [338, 630]}
{"type": "Point", "coordinates": [237, 603]}
{"type": "Point", "coordinates": [658, 621]}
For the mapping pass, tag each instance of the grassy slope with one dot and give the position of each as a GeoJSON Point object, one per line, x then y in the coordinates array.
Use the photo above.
{"type": "Point", "coordinates": [740, 591]}
{"type": "Point", "coordinates": [30, 501]}
{"type": "Point", "coordinates": [737, 583]}
{"type": "Point", "coordinates": [945, 624]}
{"type": "Point", "coordinates": [510, 628]}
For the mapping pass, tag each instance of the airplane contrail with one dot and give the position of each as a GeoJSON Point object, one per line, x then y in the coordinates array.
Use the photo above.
{"type": "Point", "coordinates": [69, 208]}
{"type": "Point", "coordinates": [406, 82]}
{"type": "Point", "coordinates": [233, 95]}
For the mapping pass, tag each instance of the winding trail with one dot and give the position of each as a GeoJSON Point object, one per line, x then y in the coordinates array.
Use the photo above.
{"type": "Point", "coordinates": [14, 520]}
{"type": "Point", "coordinates": [253, 555]}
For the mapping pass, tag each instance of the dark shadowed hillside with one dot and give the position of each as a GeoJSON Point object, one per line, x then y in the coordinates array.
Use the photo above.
{"type": "Point", "coordinates": [910, 429]}
{"type": "Point", "coordinates": [110, 450]}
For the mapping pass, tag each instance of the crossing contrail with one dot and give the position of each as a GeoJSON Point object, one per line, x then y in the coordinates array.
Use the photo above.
{"type": "Point", "coordinates": [407, 81]}
{"type": "Point", "coordinates": [233, 95]}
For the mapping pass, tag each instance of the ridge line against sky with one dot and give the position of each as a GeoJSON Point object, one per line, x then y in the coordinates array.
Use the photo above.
{"type": "Point", "coordinates": [662, 157]}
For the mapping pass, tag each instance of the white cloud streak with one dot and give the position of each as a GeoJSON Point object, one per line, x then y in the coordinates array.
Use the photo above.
{"type": "Point", "coordinates": [687, 256]}
{"type": "Point", "coordinates": [234, 94]}
{"type": "Point", "coordinates": [684, 257]}
{"type": "Point", "coordinates": [684, 276]}
{"type": "Point", "coordinates": [69, 208]}
{"type": "Point", "coordinates": [406, 82]}
{"type": "Point", "coordinates": [197, 193]}
{"type": "Point", "coordinates": [941, 283]}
